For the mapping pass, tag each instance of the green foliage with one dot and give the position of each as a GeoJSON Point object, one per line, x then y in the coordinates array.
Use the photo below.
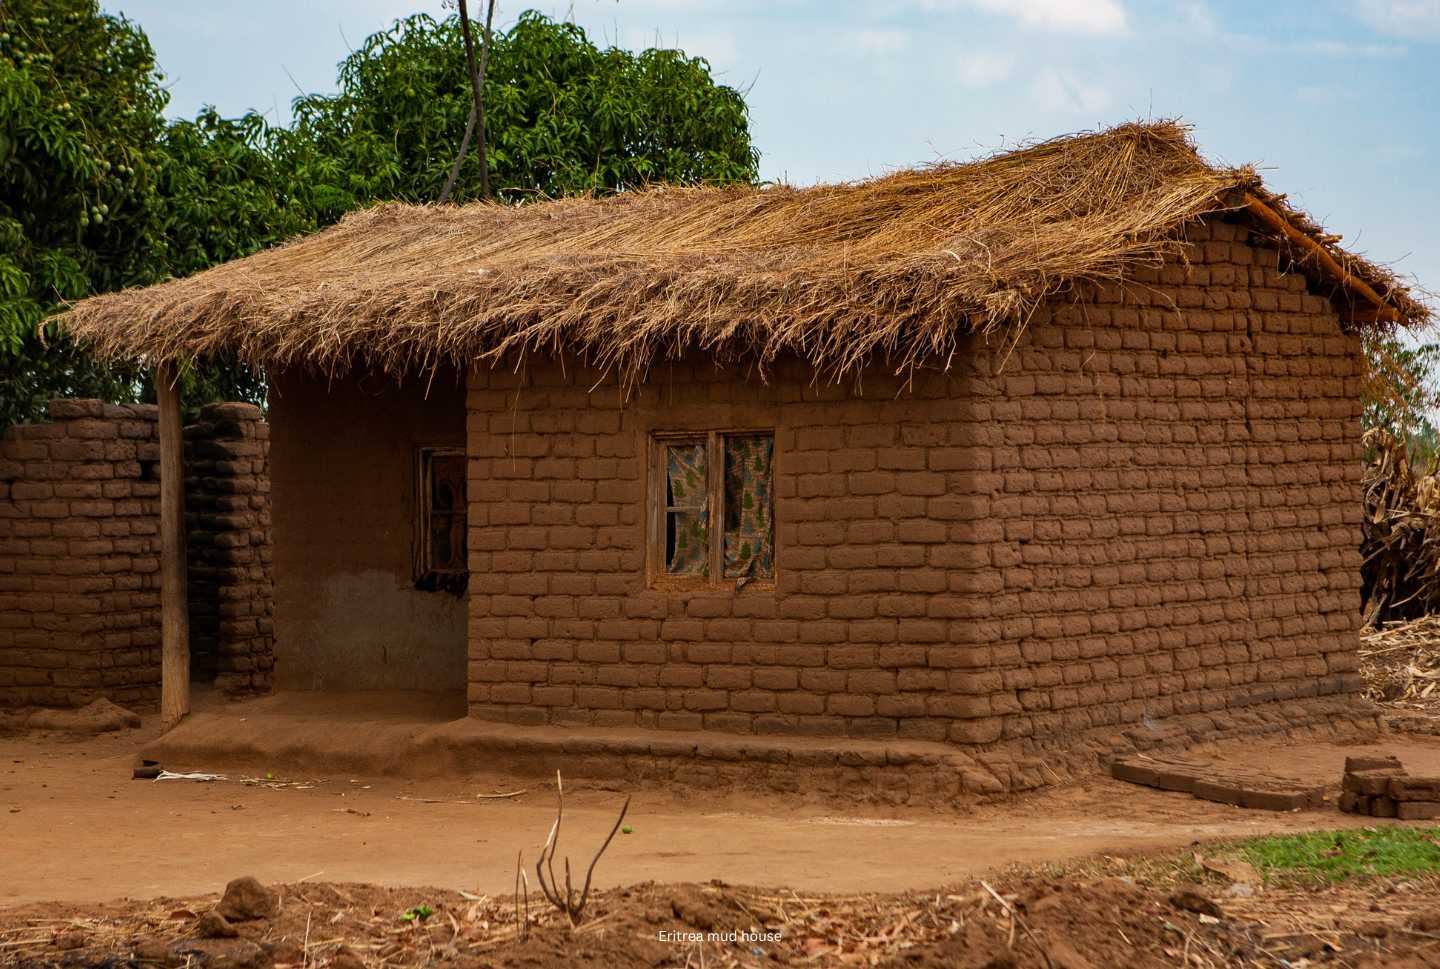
{"type": "Point", "coordinates": [1336, 855]}
{"type": "Point", "coordinates": [225, 193]}
{"type": "Point", "coordinates": [563, 117]}
{"type": "Point", "coordinates": [1400, 393]}
{"type": "Point", "coordinates": [224, 196]}
{"type": "Point", "coordinates": [80, 105]}
{"type": "Point", "coordinates": [98, 192]}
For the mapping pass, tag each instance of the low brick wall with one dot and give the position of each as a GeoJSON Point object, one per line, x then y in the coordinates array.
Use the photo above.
{"type": "Point", "coordinates": [227, 521]}
{"type": "Point", "coordinates": [80, 554]}
{"type": "Point", "coordinates": [80, 557]}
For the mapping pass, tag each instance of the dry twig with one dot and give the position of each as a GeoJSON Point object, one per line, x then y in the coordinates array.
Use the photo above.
{"type": "Point", "coordinates": [569, 902]}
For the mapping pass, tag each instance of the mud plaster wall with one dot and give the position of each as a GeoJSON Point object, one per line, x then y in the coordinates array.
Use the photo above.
{"type": "Point", "coordinates": [343, 479]}
{"type": "Point", "coordinates": [1152, 512]}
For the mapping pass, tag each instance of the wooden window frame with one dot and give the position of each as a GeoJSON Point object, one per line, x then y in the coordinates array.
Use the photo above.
{"type": "Point", "coordinates": [657, 508]}
{"type": "Point", "coordinates": [424, 494]}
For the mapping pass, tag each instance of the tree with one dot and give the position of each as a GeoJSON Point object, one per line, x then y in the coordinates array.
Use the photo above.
{"type": "Point", "coordinates": [99, 192]}
{"type": "Point", "coordinates": [80, 104]}
{"type": "Point", "coordinates": [223, 196]}
{"type": "Point", "coordinates": [563, 116]}
{"type": "Point", "coordinates": [1400, 394]}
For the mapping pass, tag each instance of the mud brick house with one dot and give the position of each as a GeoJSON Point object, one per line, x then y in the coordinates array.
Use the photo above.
{"type": "Point", "coordinates": [1058, 441]}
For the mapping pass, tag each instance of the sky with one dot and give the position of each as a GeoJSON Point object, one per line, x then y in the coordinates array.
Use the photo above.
{"type": "Point", "coordinates": [1334, 100]}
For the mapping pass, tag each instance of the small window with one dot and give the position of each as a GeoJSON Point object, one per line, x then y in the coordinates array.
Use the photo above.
{"type": "Point", "coordinates": [713, 517]}
{"type": "Point", "coordinates": [440, 553]}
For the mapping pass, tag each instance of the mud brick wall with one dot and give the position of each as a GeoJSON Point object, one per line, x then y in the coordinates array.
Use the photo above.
{"type": "Point", "coordinates": [80, 557]}
{"type": "Point", "coordinates": [227, 522]}
{"type": "Point", "coordinates": [80, 554]}
{"type": "Point", "coordinates": [1150, 513]}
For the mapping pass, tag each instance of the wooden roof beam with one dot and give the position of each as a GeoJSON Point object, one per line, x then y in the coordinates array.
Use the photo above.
{"type": "Point", "coordinates": [1273, 220]}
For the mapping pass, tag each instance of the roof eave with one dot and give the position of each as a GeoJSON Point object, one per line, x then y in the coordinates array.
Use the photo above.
{"type": "Point", "coordinates": [1377, 308]}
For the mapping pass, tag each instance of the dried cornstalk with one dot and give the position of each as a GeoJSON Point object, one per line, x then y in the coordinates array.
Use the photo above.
{"type": "Point", "coordinates": [1400, 547]}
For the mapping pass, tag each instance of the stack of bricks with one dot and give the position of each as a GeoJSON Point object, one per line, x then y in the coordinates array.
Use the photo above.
{"type": "Point", "coordinates": [1380, 787]}
{"type": "Point", "coordinates": [79, 557]}
{"type": "Point", "coordinates": [228, 540]}
{"type": "Point", "coordinates": [1143, 521]}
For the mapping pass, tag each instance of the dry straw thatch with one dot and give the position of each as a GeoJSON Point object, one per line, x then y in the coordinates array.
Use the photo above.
{"type": "Point", "coordinates": [897, 268]}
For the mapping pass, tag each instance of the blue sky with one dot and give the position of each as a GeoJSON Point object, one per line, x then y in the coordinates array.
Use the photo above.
{"type": "Point", "coordinates": [1334, 99]}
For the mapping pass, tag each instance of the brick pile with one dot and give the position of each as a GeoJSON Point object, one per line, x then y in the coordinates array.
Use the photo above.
{"type": "Point", "coordinates": [80, 557]}
{"type": "Point", "coordinates": [1381, 788]}
{"type": "Point", "coordinates": [228, 544]}
{"type": "Point", "coordinates": [1224, 783]}
{"type": "Point", "coordinates": [1146, 522]}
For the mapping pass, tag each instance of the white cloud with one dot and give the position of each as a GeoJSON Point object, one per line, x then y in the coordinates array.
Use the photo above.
{"type": "Point", "coordinates": [667, 6]}
{"type": "Point", "coordinates": [1402, 18]}
{"type": "Point", "coordinates": [984, 69]}
{"type": "Point", "coordinates": [1082, 16]}
{"type": "Point", "coordinates": [875, 40]}
{"type": "Point", "coordinates": [1055, 91]}
{"type": "Point", "coordinates": [1195, 16]}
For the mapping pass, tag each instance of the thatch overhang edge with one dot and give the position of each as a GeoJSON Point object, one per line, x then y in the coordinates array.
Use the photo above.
{"type": "Point", "coordinates": [897, 268]}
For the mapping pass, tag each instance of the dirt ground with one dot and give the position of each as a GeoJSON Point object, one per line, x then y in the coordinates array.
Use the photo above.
{"type": "Point", "coordinates": [1050, 920]}
{"type": "Point", "coordinates": [75, 828]}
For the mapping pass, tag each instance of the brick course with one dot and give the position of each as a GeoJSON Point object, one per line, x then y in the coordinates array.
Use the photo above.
{"type": "Point", "coordinates": [1150, 511]}
{"type": "Point", "coordinates": [80, 555]}
{"type": "Point", "coordinates": [228, 545]}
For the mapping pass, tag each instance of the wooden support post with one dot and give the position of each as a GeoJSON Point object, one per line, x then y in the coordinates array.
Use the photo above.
{"type": "Point", "coordinates": [174, 611]}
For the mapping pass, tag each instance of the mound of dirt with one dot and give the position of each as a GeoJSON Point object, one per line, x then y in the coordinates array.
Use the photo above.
{"type": "Point", "coordinates": [96, 717]}
{"type": "Point", "coordinates": [1023, 921]}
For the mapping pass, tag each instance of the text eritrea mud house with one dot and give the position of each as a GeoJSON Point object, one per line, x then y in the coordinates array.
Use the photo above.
{"type": "Point", "coordinates": [1062, 440]}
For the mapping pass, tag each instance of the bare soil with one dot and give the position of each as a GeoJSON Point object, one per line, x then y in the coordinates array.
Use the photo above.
{"type": "Point", "coordinates": [75, 828]}
{"type": "Point", "coordinates": [351, 855]}
{"type": "Point", "coordinates": [1023, 919]}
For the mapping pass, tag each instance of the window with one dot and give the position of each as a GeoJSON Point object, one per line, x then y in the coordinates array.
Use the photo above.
{"type": "Point", "coordinates": [699, 480]}
{"type": "Point", "coordinates": [440, 549]}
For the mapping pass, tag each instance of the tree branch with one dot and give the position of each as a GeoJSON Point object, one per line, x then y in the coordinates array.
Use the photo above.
{"type": "Point", "coordinates": [476, 120]}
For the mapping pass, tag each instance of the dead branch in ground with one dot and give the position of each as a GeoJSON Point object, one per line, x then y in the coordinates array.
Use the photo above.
{"type": "Point", "coordinates": [570, 903]}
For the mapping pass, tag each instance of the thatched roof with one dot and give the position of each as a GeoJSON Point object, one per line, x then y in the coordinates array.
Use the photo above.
{"type": "Point", "coordinates": [896, 267]}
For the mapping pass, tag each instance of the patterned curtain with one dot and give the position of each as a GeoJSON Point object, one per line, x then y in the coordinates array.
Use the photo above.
{"type": "Point", "coordinates": [749, 531]}
{"type": "Point", "coordinates": [687, 516]}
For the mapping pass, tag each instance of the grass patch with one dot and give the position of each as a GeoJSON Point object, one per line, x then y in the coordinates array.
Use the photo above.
{"type": "Point", "coordinates": [1336, 855]}
{"type": "Point", "coordinates": [1310, 858]}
